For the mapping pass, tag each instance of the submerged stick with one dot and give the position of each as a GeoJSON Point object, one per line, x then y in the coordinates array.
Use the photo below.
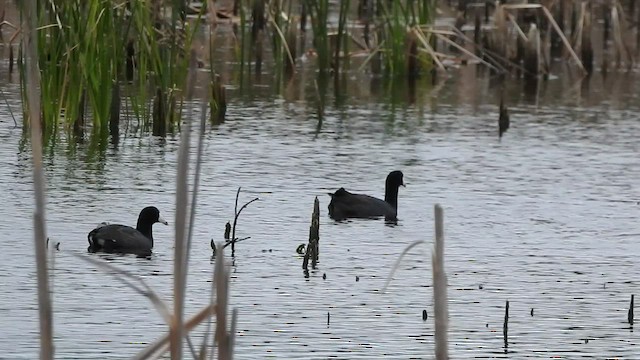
{"type": "Point", "coordinates": [630, 313]}
{"type": "Point", "coordinates": [40, 234]}
{"type": "Point", "coordinates": [237, 212]}
{"type": "Point", "coordinates": [440, 288]}
{"type": "Point", "coordinates": [505, 326]}
{"type": "Point", "coordinates": [316, 232]}
{"type": "Point", "coordinates": [503, 118]}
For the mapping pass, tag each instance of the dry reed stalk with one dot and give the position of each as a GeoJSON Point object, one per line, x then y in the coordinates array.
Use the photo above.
{"type": "Point", "coordinates": [491, 55]}
{"type": "Point", "coordinates": [288, 39]}
{"type": "Point", "coordinates": [196, 181]}
{"type": "Point", "coordinates": [184, 229]}
{"type": "Point", "coordinates": [179, 277]}
{"type": "Point", "coordinates": [427, 47]}
{"type": "Point", "coordinates": [221, 280]}
{"type": "Point", "coordinates": [532, 53]}
{"type": "Point", "coordinates": [160, 346]}
{"type": "Point", "coordinates": [444, 36]}
{"type": "Point", "coordinates": [40, 236]}
{"type": "Point", "coordinates": [499, 38]}
{"type": "Point", "coordinates": [440, 289]}
{"type": "Point", "coordinates": [582, 36]}
{"type": "Point", "coordinates": [555, 26]}
{"type": "Point", "coordinates": [618, 25]}
{"type": "Point", "coordinates": [441, 308]}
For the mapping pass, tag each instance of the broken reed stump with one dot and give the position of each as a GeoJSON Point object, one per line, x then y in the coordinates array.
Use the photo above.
{"type": "Point", "coordinates": [218, 100]}
{"type": "Point", "coordinates": [313, 248]}
{"type": "Point", "coordinates": [532, 53]}
{"type": "Point", "coordinates": [630, 313]}
{"type": "Point", "coordinates": [503, 119]}
{"type": "Point", "coordinates": [586, 49]}
{"type": "Point", "coordinates": [258, 24]}
{"type": "Point", "coordinates": [505, 326]}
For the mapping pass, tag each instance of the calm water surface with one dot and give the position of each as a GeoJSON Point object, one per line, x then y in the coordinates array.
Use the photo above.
{"type": "Point", "coordinates": [547, 219]}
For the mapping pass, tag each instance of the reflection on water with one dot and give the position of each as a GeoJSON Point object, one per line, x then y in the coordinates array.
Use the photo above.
{"type": "Point", "coordinates": [546, 219]}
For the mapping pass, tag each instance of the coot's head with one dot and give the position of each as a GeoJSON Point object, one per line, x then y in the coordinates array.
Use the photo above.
{"type": "Point", "coordinates": [151, 215]}
{"type": "Point", "coordinates": [395, 179]}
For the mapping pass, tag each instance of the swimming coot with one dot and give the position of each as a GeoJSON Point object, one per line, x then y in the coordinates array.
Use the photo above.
{"type": "Point", "coordinates": [349, 205]}
{"type": "Point", "coordinates": [115, 238]}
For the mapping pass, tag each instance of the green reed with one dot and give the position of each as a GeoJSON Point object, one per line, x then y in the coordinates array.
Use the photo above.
{"type": "Point", "coordinates": [284, 34]}
{"type": "Point", "coordinates": [341, 37]}
{"type": "Point", "coordinates": [318, 11]}
{"type": "Point", "coordinates": [394, 22]}
{"type": "Point", "coordinates": [217, 96]}
{"type": "Point", "coordinates": [161, 37]}
{"type": "Point", "coordinates": [78, 54]}
{"type": "Point", "coordinates": [241, 47]}
{"type": "Point", "coordinates": [84, 55]}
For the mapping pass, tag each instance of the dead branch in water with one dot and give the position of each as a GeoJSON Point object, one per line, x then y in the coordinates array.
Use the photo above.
{"type": "Point", "coordinates": [230, 231]}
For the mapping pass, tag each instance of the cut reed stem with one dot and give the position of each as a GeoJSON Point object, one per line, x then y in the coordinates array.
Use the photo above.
{"type": "Point", "coordinates": [440, 289]}
{"type": "Point", "coordinates": [39, 216]}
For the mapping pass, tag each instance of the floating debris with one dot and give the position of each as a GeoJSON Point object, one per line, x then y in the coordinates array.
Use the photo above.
{"type": "Point", "coordinates": [55, 245]}
{"type": "Point", "coordinates": [300, 249]}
